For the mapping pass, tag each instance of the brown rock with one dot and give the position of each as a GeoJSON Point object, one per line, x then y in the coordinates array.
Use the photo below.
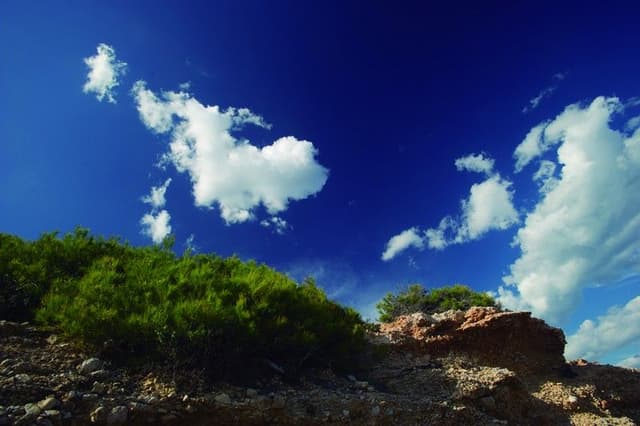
{"type": "Point", "coordinates": [513, 340]}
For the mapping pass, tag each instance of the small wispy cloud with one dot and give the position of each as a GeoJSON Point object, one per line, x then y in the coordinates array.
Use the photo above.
{"type": "Point", "coordinates": [544, 93]}
{"type": "Point", "coordinates": [157, 196]}
{"type": "Point", "coordinates": [155, 224]}
{"type": "Point", "coordinates": [104, 71]}
{"type": "Point", "coordinates": [278, 224]}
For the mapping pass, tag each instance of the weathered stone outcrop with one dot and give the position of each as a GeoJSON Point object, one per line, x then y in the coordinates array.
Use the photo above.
{"type": "Point", "coordinates": [512, 340]}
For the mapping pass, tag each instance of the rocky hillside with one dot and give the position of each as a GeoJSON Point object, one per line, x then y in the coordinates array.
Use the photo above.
{"type": "Point", "coordinates": [479, 367]}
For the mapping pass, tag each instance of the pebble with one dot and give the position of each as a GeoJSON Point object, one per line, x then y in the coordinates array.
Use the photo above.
{"type": "Point", "coordinates": [22, 378]}
{"type": "Point", "coordinates": [223, 399]}
{"type": "Point", "coordinates": [48, 403]}
{"type": "Point", "coordinates": [89, 366]}
{"type": "Point", "coordinates": [32, 410]}
{"type": "Point", "coordinates": [90, 397]}
{"type": "Point", "coordinates": [98, 387]}
{"type": "Point", "coordinates": [375, 411]}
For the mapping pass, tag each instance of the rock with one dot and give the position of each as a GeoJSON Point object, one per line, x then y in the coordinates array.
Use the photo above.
{"type": "Point", "coordinates": [72, 395]}
{"type": "Point", "coordinates": [571, 402]}
{"type": "Point", "coordinates": [90, 365]}
{"type": "Point", "coordinates": [89, 397]}
{"type": "Point", "coordinates": [223, 399]}
{"type": "Point", "coordinates": [22, 378]}
{"type": "Point", "coordinates": [98, 388]}
{"type": "Point", "coordinates": [48, 403]}
{"type": "Point", "coordinates": [375, 411]}
{"type": "Point", "coordinates": [251, 393]}
{"type": "Point", "coordinates": [99, 415]}
{"type": "Point", "coordinates": [513, 340]}
{"type": "Point", "coordinates": [99, 374]}
{"type": "Point", "coordinates": [32, 410]}
{"type": "Point", "coordinates": [118, 415]}
{"type": "Point", "coordinates": [54, 414]}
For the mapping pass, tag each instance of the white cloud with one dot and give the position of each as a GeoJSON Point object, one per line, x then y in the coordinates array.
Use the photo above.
{"type": "Point", "coordinates": [633, 123]}
{"type": "Point", "coordinates": [584, 230]}
{"type": "Point", "coordinates": [535, 101]}
{"type": "Point", "coordinates": [616, 329]}
{"type": "Point", "coordinates": [399, 243]}
{"type": "Point", "coordinates": [156, 226]}
{"type": "Point", "coordinates": [545, 176]}
{"type": "Point", "coordinates": [488, 207]}
{"type": "Point", "coordinates": [157, 196]}
{"type": "Point", "coordinates": [230, 173]}
{"type": "Point", "coordinates": [475, 163]}
{"type": "Point", "coordinates": [531, 147]}
{"type": "Point", "coordinates": [631, 362]}
{"type": "Point", "coordinates": [544, 93]}
{"type": "Point", "coordinates": [278, 224]}
{"type": "Point", "coordinates": [104, 71]}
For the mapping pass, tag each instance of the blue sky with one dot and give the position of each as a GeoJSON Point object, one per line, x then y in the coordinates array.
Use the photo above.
{"type": "Point", "coordinates": [368, 144]}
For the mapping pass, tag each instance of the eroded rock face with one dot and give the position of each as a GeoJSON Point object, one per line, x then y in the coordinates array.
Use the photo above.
{"type": "Point", "coordinates": [513, 340]}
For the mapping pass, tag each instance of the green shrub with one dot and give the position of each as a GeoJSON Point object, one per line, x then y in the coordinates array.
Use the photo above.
{"type": "Point", "coordinates": [199, 308]}
{"type": "Point", "coordinates": [416, 299]}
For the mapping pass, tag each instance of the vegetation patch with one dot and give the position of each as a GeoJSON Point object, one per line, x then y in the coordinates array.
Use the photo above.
{"type": "Point", "coordinates": [418, 299]}
{"type": "Point", "coordinates": [195, 307]}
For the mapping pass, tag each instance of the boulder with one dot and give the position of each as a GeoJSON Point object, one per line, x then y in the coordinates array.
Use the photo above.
{"type": "Point", "coordinates": [513, 340]}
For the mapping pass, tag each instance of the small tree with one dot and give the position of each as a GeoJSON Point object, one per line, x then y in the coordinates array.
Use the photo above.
{"type": "Point", "coordinates": [417, 299]}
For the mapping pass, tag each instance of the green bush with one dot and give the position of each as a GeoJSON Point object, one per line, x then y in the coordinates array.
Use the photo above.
{"type": "Point", "coordinates": [199, 308]}
{"type": "Point", "coordinates": [28, 269]}
{"type": "Point", "coordinates": [416, 299]}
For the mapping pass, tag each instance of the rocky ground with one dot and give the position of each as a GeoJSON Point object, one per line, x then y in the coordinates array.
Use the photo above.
{"type": "Point", "coordinates": [479, 367]}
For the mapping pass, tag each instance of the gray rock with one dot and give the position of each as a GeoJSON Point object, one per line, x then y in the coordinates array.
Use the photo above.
{"type": "Point", "coordinates": [22, 378]}
{"type": "Point", "coordinates": [118, 415]}
{"type": "Point", "coordinates": [89, 397]}
{"type": "Point", "coordinates": [251, 393]}
{"type": "Point", "coordinates": [90, 365]}
{"type": "Point", "coordinates": [32, 410]}
{"type": "Point", "coordinates": [48, 403]}
{"type": "Point", "coordinates": [223, 399]}
{"type": "Point", "coordinates": [98, 388]}
{"type": "Point", "coordinates": [72, 395]}
{"type": "Point", "coordinates": [54, 414]}
{"type": "Point", "coordinates": [375, 411]}
{"type": "Point", "coordinates": [99, 374]}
